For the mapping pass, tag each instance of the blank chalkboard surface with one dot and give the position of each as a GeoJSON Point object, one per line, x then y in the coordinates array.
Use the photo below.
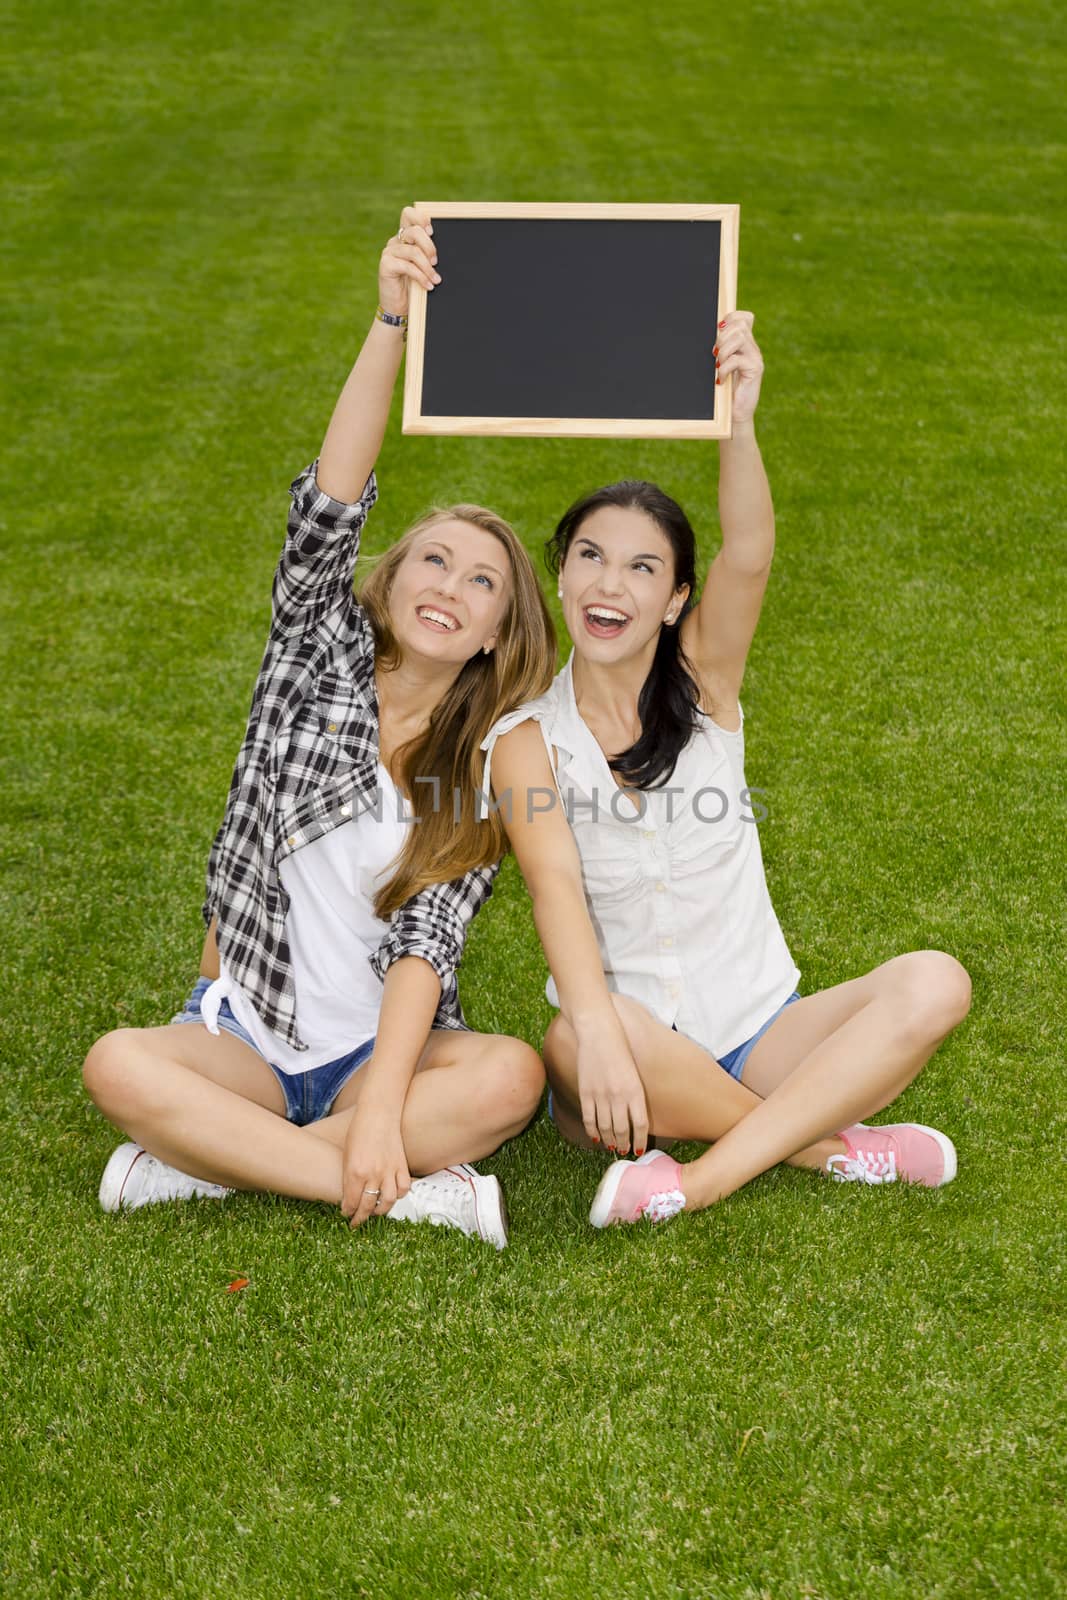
{"type": "Point", "coordinates": [567, 319]}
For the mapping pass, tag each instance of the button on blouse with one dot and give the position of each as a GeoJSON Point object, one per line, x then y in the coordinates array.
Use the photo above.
{"type": "Point", "coordinates": [674, 884]}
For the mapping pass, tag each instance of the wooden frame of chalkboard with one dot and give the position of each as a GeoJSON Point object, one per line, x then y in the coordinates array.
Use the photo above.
{"type": "Point", "coordinates": [591, 321]}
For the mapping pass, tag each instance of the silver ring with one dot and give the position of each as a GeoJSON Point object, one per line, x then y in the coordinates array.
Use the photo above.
{"type": "Point", "coordinates": [372, 1191]}
{"type": "Point", "coordinates": [400, 236]}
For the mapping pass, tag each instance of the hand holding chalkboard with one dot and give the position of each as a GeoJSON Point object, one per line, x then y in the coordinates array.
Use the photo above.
{"type": "Point", "coordinates": [737, 357]}
{"type": "Point", "coordinates": [591, 321]}
{"type": "Point", "coordinates": [410, 256]}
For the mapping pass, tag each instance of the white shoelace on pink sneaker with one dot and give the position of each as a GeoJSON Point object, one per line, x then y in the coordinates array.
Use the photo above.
{"type": "Point", "coordinates": [661, 1207]}
{"type": "Point", "coordinates": [864, 1166]}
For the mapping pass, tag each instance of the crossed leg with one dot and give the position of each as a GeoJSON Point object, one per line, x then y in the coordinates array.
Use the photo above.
{"type": "Point", "coordinates": [209, 1105]}
{"type": "Point", "coordinates": [829, 1060]}
{"type": "Point", "coordinates": [688, 1094]}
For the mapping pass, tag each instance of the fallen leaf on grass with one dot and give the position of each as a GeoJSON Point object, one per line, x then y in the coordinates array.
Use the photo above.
{"type": "Point", "coordinates": [238, 1283]}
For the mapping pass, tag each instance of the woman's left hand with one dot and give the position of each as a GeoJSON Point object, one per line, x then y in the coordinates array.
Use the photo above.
{"type": "Point", "coordinates": [410, 256]}
{"type": "Point", "coordinates": [738, 360]}
{"type": "Point", "coordinates": [374, 1166]}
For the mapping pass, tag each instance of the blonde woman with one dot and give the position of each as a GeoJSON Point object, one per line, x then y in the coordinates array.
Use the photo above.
{"type": "Point", "coordinates": [323, 1053]}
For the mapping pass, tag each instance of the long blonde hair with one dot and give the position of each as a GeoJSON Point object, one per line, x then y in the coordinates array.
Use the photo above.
{"type": "Point", "coordinates": [449, 839]}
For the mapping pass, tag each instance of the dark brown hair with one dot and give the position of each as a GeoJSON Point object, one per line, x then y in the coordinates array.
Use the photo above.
{"type": "Point", "coordinates": [670, 699]}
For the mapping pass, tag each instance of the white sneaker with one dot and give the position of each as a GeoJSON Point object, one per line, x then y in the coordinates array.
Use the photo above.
{"type": "Point", "coordinates": [456, 1197]}
{"type": "Point", "coordinates": [133, 1178]}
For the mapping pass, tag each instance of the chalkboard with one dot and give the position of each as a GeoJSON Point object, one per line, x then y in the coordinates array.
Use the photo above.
{"type": "Point", "coordinates": [589, 321]}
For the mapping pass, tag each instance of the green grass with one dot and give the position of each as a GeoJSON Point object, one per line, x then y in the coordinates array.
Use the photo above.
{"type": "Point", "coordinates": [807, 1391]}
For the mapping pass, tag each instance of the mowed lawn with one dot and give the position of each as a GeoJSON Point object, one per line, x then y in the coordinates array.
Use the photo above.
{"type": "Point", "coordinates": [811, 1390]}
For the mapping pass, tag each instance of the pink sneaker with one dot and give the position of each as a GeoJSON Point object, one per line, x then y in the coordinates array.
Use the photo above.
{"type": "Point", "coordinates": [650, 1187]}
{"type": "Point", "coordinates": [900, 1150]}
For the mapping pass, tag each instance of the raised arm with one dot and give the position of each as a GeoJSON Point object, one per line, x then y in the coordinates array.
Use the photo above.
{"type": "Point", "coordinates": [359, 419]}
{"type": "Point", "coordinates": [611, 1092]}
{"type": "Point", "coordinates": [718, 632]}
{"type": "Point", "coordinates": [331, 500]}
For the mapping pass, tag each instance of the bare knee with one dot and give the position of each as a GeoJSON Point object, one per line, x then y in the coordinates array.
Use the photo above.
{"type": "Point", "coordinates": [111, 1071]}
{"type": "Point", "coordinates": [559, 1047]}
{"type": "Point", "coordinates": [510, 1083]}
{"type": "Point", "coordinates": [934, 991]}
{"type": "Point", "coordinates": [527, 1072]}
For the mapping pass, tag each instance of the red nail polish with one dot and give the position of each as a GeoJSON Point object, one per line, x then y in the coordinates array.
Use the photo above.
{"type": "Point", "coordinates": [639, 1152]}
{"type": "Point", "coordinates": [722, 324]}
{"type": "Point", "coordinates": [596, 1139]}
{"type": "Point", "coordinates": [715, 351]}
{"type": "Point", "coordinates": [718, 380]}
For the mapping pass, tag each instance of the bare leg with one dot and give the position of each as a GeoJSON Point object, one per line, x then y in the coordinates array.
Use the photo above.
{"type": "Point", "coordinates": [689, 1095]}
{"type": "Point", "coordinates": [471, 1092]}
{"type": "Point", "coordinates": [832, 1059]}
{"type": "Point", "coordinates": [210, 1106]}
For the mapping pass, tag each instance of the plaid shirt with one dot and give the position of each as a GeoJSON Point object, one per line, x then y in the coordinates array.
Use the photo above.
{"type": "Point", "coordinates": [308, 763]}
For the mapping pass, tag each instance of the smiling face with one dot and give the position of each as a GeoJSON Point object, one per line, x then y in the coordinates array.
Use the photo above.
{"type": "Point", "coordinates": [617, 583]}
{"type": "Point", "coordinates": [450, 593]}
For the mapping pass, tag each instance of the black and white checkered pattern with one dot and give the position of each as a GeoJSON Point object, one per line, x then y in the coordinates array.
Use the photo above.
{"type": "Point", "coordinates": [309, 761]}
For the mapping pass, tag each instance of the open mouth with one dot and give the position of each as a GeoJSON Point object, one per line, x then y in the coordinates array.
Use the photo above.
{"type": "Point", "coordinates": [439, 621]}
{"type": "Point", "coordinates": [604, 622]}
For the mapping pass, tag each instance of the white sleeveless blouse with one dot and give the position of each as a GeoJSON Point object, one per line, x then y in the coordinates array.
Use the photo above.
{"type": "Point", "coordinates": [676, 893]}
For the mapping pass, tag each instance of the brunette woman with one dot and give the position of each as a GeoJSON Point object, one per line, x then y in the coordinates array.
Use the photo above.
{"type": "Point", "coordinates": [680, 1015]}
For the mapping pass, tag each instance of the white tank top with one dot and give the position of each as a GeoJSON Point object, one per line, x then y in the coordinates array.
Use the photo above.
{"type": "Point", "coordinates": [677, 896]}
{"type": "Point", "coordinates": [332, 932]}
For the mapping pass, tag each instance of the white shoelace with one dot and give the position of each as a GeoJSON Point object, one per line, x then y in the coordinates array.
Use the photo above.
{"type": "Point", "coordinates": [661, 1207]}
{"type": "Point", "coordinates": [864, 1166]}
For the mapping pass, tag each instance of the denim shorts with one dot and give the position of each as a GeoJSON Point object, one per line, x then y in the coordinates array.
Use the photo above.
{"type": "Point", "coordinates": [734, 1060]}
{"type": "Point", "coordinates": [308, 1095]}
